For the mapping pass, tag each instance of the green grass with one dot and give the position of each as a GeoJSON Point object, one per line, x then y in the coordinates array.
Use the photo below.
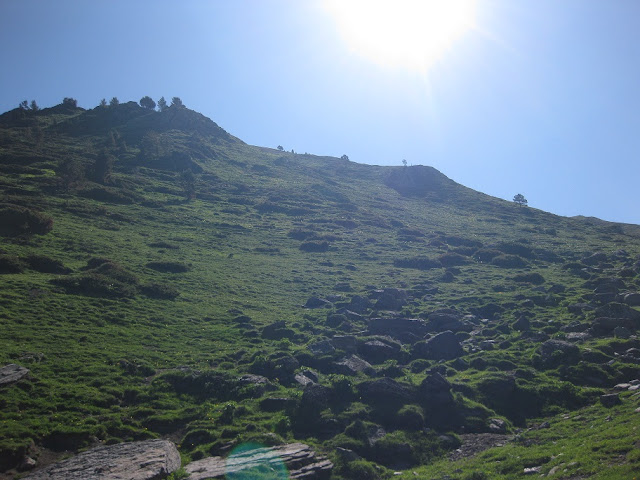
{"type": "Point", "coordinates": [112, 358]}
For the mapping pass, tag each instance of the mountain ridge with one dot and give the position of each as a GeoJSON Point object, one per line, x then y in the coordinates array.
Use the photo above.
{"type": "Point", "coordinates": [163, 279]}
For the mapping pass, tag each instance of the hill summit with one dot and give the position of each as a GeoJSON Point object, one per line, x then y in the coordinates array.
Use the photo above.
{"type": "Point", "coordinates": [167, 284]}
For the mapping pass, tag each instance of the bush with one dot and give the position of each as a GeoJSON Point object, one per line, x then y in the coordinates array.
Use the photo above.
{"type": "Point", "coordinates": [15, 220]}
{"type": "Point", "coordinates": [534, 278]}
{"type": "Point", "coordinates": [10, 264]}
{"type": "Point", "coordinates": [95, 285]}
{"type": "Point", "coordinates": [314, 246]}
{"type": "Point", "coordinates": [452, 260]}
{"type": "Point", "coordinates": [168, 267]}
{"type": "Point", "coordinates": [360, 469]}
{"type": "Point", "coordinates": [509, 261]}
{"type": "Point", "coordinates": [44, 264]}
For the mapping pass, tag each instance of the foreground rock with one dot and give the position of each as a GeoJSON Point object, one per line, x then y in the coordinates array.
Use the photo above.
{"type": "Point", "coordinates": [299, 460]}
{"type": "Point", "coordinates": [148, 460]}
{"type": "Point", "coordinates": [12, 373]}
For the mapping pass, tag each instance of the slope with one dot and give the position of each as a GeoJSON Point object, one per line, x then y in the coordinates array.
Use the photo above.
{"type": "Point", "coordinates": [162, 278]}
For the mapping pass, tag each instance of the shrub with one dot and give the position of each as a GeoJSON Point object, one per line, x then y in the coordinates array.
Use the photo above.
{"type": "Point", "coordinates": [419, 263]}
{"type": "Point", "coordinates": [168, 267]}
{"type": "Point", "coordinates": [160, 291]}
{"type": "Point", "coordinates": [95, 285]}
{"type": "Point", "coordinates": [10, 264]}
{"type": "Point", "coordinates": [452, 260]}
{"type": "Point", "coordinates": [15, 220]}
{"type": "Point", "coordinates": [44, 264]}
{"type": "Point", "coordinates": [534, 278]}
{"type": "Point", "coordinates": [509, 261]}
{"type": "Point", "coordinates": [314, 246]}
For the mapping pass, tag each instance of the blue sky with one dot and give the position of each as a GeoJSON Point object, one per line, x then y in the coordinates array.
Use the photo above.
{"type": "Point", "coordinates": [542, 98]}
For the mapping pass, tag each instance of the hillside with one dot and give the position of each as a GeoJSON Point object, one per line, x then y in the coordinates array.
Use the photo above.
{"type": "Point", "coordinates": [160, 278]}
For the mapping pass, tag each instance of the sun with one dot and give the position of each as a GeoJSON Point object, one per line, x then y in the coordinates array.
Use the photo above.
{"type": "Point", "coordinates": [412, 34]}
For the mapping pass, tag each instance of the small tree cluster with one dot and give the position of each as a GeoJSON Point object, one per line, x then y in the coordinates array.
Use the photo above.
{"type": "Point", "coordinates": [147, 102]}
{"type": "Point", "coordinates": [520, 200]}
{"type": "Point", "coordinates": [24, 105]}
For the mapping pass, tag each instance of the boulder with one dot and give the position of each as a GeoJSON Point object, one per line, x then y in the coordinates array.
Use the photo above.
{"type": "Point", "coordinates": [384, 391]}
{"type": "Point", "coordinates": [443, 346]}
{"type": "Point", "coordinates": [603, 326]}
{"type": "Point", "coordinates": [557, 352]}
{"type": "Point", "coordinates": [359, 304]}
{"type": "Point", "coordinates": [353, 365]}
{"type": "Point", "coordinates": [391, 299]}
{"type": "Point", "coordinates": [375, 351]}
{"type": "Point", "coordinates": [324, 347]}
{"type": "Point", "coordinates": [397, 326]}
{"type": "Point", "coordinates": [441, 322]}
{"type": "Point", "coordinates": [315, 397]}
{"type": "Point", "coordinates": [435, 391]}
{"type": "Point", "coordinates": [610, 400]}
{"type": "Point", "coordinates": [315, 302]}
{"type": "Point", "coordinates": [632, 299]}
{"type": "Point", "coordinates": [278, 331]}
{"type": "Point", "coordinates": [293, 461]}
{"type": "Point", "coordinates": [147, 460]}
{"type": "Point", "coordinates": [522, 324]}
{"type": "Point", "coordinates": [345, 342]}
{"type": "Point", "coordinates": [12, 373]}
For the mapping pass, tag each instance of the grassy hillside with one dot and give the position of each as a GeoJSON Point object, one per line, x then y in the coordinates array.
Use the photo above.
{"type": "Point", "coordinates": [161, 278]}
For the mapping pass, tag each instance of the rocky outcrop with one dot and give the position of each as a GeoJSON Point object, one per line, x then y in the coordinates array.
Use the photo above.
{"type": "Point", "coordinates": [298, 459]}
{"type": "Point", "coordinates": [557, 352]}
{"type": "Point", "coordinates": [353, 365]}
{"type": "Point", "coordinates": [12, 373]}
{"type": "Point", "coordinates": [148, 460]}
{"type": "Point", "coordinates": [444, 346]}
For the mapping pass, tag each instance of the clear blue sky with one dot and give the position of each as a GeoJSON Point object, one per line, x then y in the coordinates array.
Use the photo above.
{"type": "Point", "coordinates": [543, 98]}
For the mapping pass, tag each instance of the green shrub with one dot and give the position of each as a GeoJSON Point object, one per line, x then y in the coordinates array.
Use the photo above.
{"type": "Point", "coordinates": [509, 261]}
{"type": "Point", "coordinates": [160, 291]}
{"type": "Point", "coordinates": [11, 264]}
{"type": "Point", "coordinates": [44, 264]}
{"type": "Point", "coordinates": [315, 246]}
{"type": "Point", "coordinates": [168, 267]}
{"type": "Point", "coordinates": [15, 220]}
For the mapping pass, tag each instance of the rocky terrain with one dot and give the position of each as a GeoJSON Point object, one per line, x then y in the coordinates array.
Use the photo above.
{"type": "Point", "coordinates": [176, 303]}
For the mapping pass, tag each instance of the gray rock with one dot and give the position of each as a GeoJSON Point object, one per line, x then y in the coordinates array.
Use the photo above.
{"type": "Point", "coordinates": [522, 324]}
{"type": "Point", "coordinates": [444, 346]}
{"type": "Point", "coordinates": [621, 332]}
{"type": "Point", "coordinates": [632, 299]}
{"type": "Point", "coordinates": [315, 302]}
{"type": "Point", "coordinates": [555, 352]}
{"type": "Point", "coordinates": [384, 390]}
{"type": "Point", "coordinates": [497, 425]}
{"type": "Point", "coordinates": [435, 391]}
{"type": "Point", "coordinates": [353, 365]}
{"type": "Point", "coordinates": [391, 299]}
{"type": "Point", "coordinates": [302, 379]}
{"type": "Point", "coordinates": [359, 304]}
{"type": "Point", "coordinates": [375, 351]}
{"type": "Point", "coordinates": [296, 459]}
{"type": "Point", "coordinates": [345, 342]}
{"type": "Point", "coordinates": [441, 322]}
{"type": "Point", "coordinates": [610, 400]}
{"type": "Point", "coordinates": [12, 373]}
{"type": "Point", "coordinates": [148, 460]}
{"type": "Point", "coordinates": [323, 347]}
{"type": "Point", "coordinates": [397, 326]}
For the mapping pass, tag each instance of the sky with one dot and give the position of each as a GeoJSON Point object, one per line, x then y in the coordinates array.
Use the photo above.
{"type": "Point", "coordinates": [539, 97]}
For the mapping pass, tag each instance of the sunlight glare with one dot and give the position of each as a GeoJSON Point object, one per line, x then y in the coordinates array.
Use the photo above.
{"type": "Point", "coordinates": [403, 33]}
